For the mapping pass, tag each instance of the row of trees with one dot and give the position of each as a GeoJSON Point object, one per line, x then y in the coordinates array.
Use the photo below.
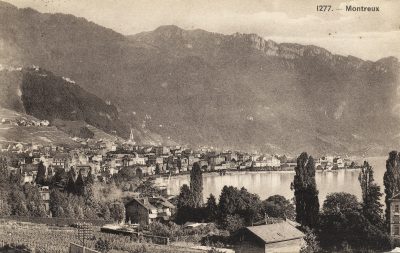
{"type": "Point", "coordinates": [343, 222]}
{"type": "Point", "coordinates": [236, 208]}
{"type": "Point", "coordinates": [77, 199]}
{"type": "Point", "coordinates": [66, 205]}
{"type": "Point", "coordinates": [72, 195]}
{"type": "Point", "coordinates": [16, 199]}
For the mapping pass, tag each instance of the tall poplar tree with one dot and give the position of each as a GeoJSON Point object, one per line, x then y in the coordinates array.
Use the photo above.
{"type": "Point", "coordinates": [391, 181]}
{"type": "Point", "coordinates": [80, 185]}
{"type": "Point", "coordinates": [41, 174]}
{"type": "Point", "coordinates": [70, 187]}
{"type": "Point", "coordinates": [305, 191]}
{"type": "Point", "coordinates": [196, 185]}
{"type": "Point", "coordinates": [371, 194]}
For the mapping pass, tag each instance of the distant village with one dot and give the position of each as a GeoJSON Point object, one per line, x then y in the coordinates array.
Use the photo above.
{"type": "Point", "coordinates": [106, 158]}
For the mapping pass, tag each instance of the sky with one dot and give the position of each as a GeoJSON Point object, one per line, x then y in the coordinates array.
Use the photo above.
{"type": "Point", "coordinates": [367, 35]}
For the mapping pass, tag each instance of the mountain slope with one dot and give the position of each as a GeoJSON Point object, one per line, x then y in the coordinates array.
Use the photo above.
{"type": "Point", "coordinates": [292, 96]}
{"type": "Point", "coordinates": [39, 93]}
{"type": "Point", "coordinates": [45, 135]}
{"type": "Point", "coordinates": [202, 88]}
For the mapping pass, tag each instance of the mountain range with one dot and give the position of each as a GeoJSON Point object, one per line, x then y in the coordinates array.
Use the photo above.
{"type": "Point", "coordinates": [200, 88]}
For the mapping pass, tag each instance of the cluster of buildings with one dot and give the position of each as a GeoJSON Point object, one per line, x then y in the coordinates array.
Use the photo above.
{"type": "Point", "coordinates": [106, 158]}
{"type": "Point", "coordinates": [332, 163]}
{"type": "Point", "coordinates": [23, 122]}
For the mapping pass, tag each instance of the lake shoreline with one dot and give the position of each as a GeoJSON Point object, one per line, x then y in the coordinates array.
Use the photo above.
{"type": "Point", "coordinates": [267, 183]}
{"type": "Point", "coordinates": [239, 172]}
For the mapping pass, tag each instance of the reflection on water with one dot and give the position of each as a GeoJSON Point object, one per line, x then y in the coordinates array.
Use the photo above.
{"type": "Point", "coordinates": [268, 183]}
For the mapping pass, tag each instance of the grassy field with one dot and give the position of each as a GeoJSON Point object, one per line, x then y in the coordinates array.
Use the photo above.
{"type": "Point", "coordinates": [29, 134]}
{"type": "Point", "coordinates": [46, 239]}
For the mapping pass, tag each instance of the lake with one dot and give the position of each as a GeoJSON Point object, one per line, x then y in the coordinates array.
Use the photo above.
{"type": "Point", "coordinates": [267, 183]}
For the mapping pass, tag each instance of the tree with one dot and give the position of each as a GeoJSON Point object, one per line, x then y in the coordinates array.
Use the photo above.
{"type": "Point", "coordinates": [252, 207]}
{"type": "Point", "coordinates": [80, 185]}
{"type": "Point", "coordinates": [229, 201]}
{"type": "Point", "coordinates": [126, 174]}
{"type": "Point", "coordinates": [371, 194]}
{"type": "Point", "coordinates": [147, 189]}
{"type": "Point", "coordinates": [15, 178]}
{"type": "Point", "coordinates": [340, 202]}
{"type": "Point", "coordinates": [157, 170]}
{"type": "Point", "coordinates": [105, 212]}
{"type": "Point", "coordinates": [69, 211]}
{"type": "Point", "coordinates": [102, 245]}
{"type": "Point", "coordinates": [4, 172]}
{"type": "Point", "coordinates": [196, 185]}
{"type": "Point", "coordinates": [342, 223]}
{"type": "Point", "coordinates": [311, 242]}
{"type": "Point", "coordinates": [278, 206]}
{"type": "Point", "coordinates": [392, 185]}
{"type": "Point", "coordinates": [78, 212]}
{"type": "Point", "coordinates": [60, 178]}
{"type": "Point", "coordinates": [5, 208]}
{"type": "Point", "coordinates": [211, 208]}
{"type": "Point", "coordinates": [184, 205]}
{"type": "Point", "coordinates": [17, 201]}
{"type": "Point", "coordinates": [179, 164]}
{"type": "Point", "coordinates": [33, 201]}
{"type": "Point", "coordinates": [234, 201]}
{"type": "Point", "coordinates": [117, 211]}
{"type": "Point", "coordinates": [90, 178]}
{"type": "Point", "coordinates": [41, 174]}
{"type": "Point", "coordinates": [70, 187]}
{"type": "Point", "coordinates": [57, 200]}
{"type": "Point", "coordinates": [185, 198]}
{"type": "Point", "coordinates": [305, 191]}
{"type": "Point", "coordinates": [59, 212]}
{"type": "Point", "coordinates": [233, 223]}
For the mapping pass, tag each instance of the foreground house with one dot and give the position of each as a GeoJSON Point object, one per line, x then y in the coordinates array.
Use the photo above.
{"type": "Point", "coordinates": [277, 237]}
{"type": "Point", "coordinates": [144, 211]}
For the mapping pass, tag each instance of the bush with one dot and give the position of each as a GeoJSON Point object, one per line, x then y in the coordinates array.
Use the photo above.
{"type": "Point", "coordinates": [233, 223]}
{"type": "Point", "coordinates": [102, 245]}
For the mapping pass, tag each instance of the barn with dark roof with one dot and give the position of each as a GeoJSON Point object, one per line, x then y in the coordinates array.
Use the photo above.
{"type": "Point", "coordinates": [277, 237]}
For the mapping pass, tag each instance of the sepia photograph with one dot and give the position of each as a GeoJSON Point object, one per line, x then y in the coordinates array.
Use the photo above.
{"type": "Point", "coordinates": [199, 126]}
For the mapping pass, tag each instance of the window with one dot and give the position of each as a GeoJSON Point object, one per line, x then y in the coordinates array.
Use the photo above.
{"type": "Point", "coordinates": [396, 218]}
{"type": "Point", "coordinates": [396, 208]}
{"type": "Point", "coordinates": [396, 230]}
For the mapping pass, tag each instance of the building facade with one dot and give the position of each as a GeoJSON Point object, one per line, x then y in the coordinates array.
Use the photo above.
{"type": "Point", "coordinates": [395, 216]}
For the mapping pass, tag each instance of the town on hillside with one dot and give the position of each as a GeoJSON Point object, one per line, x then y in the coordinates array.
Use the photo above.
{"type": "Point", "coordinates": [106, 158]}
{"type": "Point", "coordinates": [113, 187]}
{"type": "Point", "coordinates": [224, 126]}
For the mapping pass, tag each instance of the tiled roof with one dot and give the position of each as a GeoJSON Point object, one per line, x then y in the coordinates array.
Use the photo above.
{"type": "Point", "coordinates": [144, 202]}
{"type": "Point", "coordinates": [276, 232]}
{"type": "Point", "coordinates": [161, 200]}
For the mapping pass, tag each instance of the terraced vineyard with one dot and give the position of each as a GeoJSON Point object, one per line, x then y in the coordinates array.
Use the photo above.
{"type": "Point", "coordinates": [46, 239]}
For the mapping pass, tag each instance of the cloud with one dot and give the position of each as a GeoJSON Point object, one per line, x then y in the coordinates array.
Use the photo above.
{"type": "Point", "coordinates": [365, 45]}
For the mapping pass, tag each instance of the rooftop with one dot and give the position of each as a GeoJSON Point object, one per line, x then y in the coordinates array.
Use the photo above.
{"type": "Point", "coordinates": [277, 232]}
